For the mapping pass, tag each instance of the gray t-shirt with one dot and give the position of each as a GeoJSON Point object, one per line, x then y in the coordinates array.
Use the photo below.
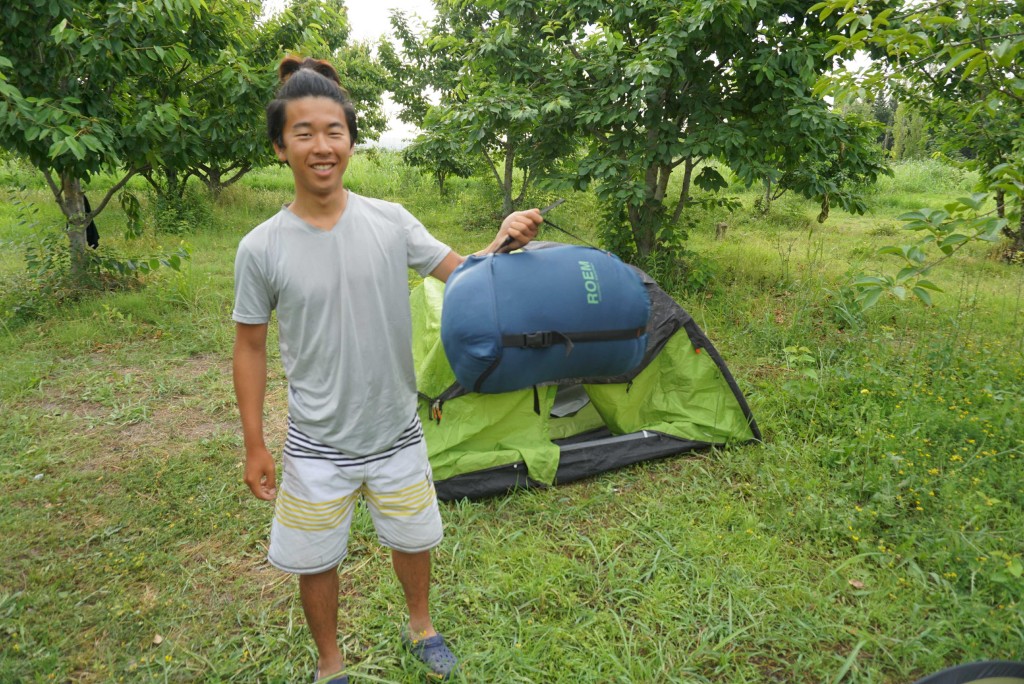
{"type": "Point", "coordinates": [345, 330]}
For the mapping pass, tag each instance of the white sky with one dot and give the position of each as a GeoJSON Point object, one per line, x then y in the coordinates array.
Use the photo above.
{"type": "Point", "coordinates": [370, 19]}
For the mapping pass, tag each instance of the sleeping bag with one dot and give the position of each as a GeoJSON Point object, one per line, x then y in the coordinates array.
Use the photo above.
{"type": "Point", "coordinates": [509, 321]}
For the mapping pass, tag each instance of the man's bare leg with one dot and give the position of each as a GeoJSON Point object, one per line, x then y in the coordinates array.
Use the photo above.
{"type": "Point", "coordinates": [413, 572]}
{"type": "Point", "coordinates": [319, 594]}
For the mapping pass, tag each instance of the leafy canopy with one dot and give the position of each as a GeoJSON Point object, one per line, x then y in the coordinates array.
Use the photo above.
{"type": "Point", "coordinates": [655, 85]}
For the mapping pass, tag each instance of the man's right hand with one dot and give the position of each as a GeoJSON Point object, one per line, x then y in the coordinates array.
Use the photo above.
{"type": "Point", "coordinates": [260, 474]}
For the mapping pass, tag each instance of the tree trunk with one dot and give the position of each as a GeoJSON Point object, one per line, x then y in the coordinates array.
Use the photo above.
{"type": "Point", "coordinates": [684, 194]}
{"type": "Point", "coordinates": [73, 204]}
{"type": "Point", "coordinates": [214, 181]}
{"type": "Point", "coordinates": [643, 231]}
{"type": "Point", "coordinates": [1014, 254]}
{"type": "Point", "coordinates": [766, 200]}
{"type": "Point", "coordinates": [640, 223]}
{"type": "Point", "coordinates": [217, 178]}
{"type": "Point", "coordinates": [175, 189]}
{"type": "Point", "coordinates": [527, 177]}
{"type": "Point", "coordinates": [507, 207]}
{"type": "Point", "coordinates": [1001, 203]}
{"type": "Point", "coordinates": [645, 222]}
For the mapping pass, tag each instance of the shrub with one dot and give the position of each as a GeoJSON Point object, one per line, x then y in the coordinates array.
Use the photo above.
{"type": "Point", "coordinates": [926, 176]}
{"type": "Point", "coordinates": [181, 215]}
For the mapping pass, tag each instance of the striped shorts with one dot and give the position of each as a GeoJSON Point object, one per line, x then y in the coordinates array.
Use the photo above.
{"type": "Point", "coordinates": [318, 493]}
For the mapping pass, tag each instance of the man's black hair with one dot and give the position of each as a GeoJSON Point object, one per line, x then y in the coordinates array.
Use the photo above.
{"type": "Point", "coordinates": [307, 78]}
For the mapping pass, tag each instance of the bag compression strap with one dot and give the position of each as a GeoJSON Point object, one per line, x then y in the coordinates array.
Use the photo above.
{"type": "Point", "coordinates": [543, 340]}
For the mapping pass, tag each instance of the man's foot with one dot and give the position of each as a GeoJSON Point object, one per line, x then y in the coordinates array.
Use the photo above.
{"type": "Point", "coordinates": [338, 678]}
{"type": "Point", "coordinates": [433, 652]}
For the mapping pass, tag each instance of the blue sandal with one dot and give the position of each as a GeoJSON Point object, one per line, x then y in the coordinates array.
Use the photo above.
{"type": "Point", "coordinates": [336, 679]}
{"type": "Point", "coordinates": [433, 652]}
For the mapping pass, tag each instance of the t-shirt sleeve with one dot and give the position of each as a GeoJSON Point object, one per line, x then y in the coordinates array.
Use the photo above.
{"type": "Point", "coordinates": [424, 252]}
{"type": "Point", "coordinates": [253, 298]}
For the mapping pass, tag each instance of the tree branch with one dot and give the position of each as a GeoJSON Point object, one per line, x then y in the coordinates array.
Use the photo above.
{"type": "Point", "coordinates": [242, 170]}
{"type": "Point", "coordinates": [57, 192]}
{"type": "Point", "coordinates": [494, 169]}
{"type": "Point", "coordinates": [110, 193]}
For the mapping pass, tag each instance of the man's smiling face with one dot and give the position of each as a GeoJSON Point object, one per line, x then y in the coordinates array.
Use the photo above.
{"type": "Point", "coordinates": [317, 144]}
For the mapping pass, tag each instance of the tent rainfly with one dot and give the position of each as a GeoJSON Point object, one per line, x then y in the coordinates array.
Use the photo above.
{"type": "Point", "coordinates": [680, 398]}
{"type": "Point", "coordinates": [983, 672]}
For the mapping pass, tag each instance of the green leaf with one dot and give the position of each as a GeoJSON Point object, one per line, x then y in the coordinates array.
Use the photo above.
{"type": "Point", "coordinates": [953, 240]}
{"type": "Point", "coordinates": [845, 19]}
{"type": "Point", "coordinates": [91, 142]}
{"type": "Point", "coordinates": [869, 281]}
{"type": "Point", "coordinates": [869, 297]}
{"type": "Point", "coordinates": [824, 7]}
{"type": "Point", "coordinates": [76, 148]}
{"type": "Point", "coordinates": [710, 180]}
{"type": "Point", "coordinates": [57, 148]}
{"type": "Point", "coordinates": [991, 229]}
{"type": "Point", "coordinates": [59, 29]}
{"type": "Point", "coordinates": [929, 285]}
{"type": "Point", "coordinates": [923, 295]}
{"type": "Point", "coordinates": [907, 273]}
{"type": "Point", "coordinates": [960, 57]}
{"type": "Point", "coordinates": [979, 64]}
{"type": "Point", "coordinates": [975, 200]}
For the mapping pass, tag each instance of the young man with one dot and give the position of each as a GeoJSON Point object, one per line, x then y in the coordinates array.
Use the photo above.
{"type": "Point", "coordinates": [334, 265]}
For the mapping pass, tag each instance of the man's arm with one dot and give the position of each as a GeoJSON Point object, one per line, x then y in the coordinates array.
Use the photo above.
{"type": "Point", "coordinates": [250, 375]}
{"type": "Point", "coordinates": [521, 226]}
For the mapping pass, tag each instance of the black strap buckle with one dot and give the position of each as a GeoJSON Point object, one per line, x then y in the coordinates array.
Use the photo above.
{"type": "Point", "coordinates": [538, 340]}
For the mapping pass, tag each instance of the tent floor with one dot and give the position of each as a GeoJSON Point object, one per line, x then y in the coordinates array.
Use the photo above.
{"type": "Point", "coordinates": [581, 456]}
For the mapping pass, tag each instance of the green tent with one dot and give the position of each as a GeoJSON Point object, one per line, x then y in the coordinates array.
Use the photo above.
{"type": "Point", "coordinates": [681, 398]}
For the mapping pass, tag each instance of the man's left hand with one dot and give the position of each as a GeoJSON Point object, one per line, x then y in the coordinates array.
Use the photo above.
{"type": "Point", "coordinates": [521, 227]}
{"type": "Point", "coordinates": [517, 229]}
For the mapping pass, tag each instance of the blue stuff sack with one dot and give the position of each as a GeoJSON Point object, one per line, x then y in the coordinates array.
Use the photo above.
{"type": "Point", "coordinates": [510, 321]}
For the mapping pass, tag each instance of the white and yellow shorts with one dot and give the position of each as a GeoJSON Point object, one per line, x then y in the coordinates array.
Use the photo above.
{"type": "Point", "coordinates": [319, 490]}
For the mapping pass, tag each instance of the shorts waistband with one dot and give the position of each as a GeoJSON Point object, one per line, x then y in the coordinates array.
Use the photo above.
{"type": "Point", "coordinates": [300, 445]}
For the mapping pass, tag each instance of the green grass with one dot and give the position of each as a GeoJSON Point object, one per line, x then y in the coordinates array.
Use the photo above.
{"type": "Point", "coordinates": [873, 537]}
